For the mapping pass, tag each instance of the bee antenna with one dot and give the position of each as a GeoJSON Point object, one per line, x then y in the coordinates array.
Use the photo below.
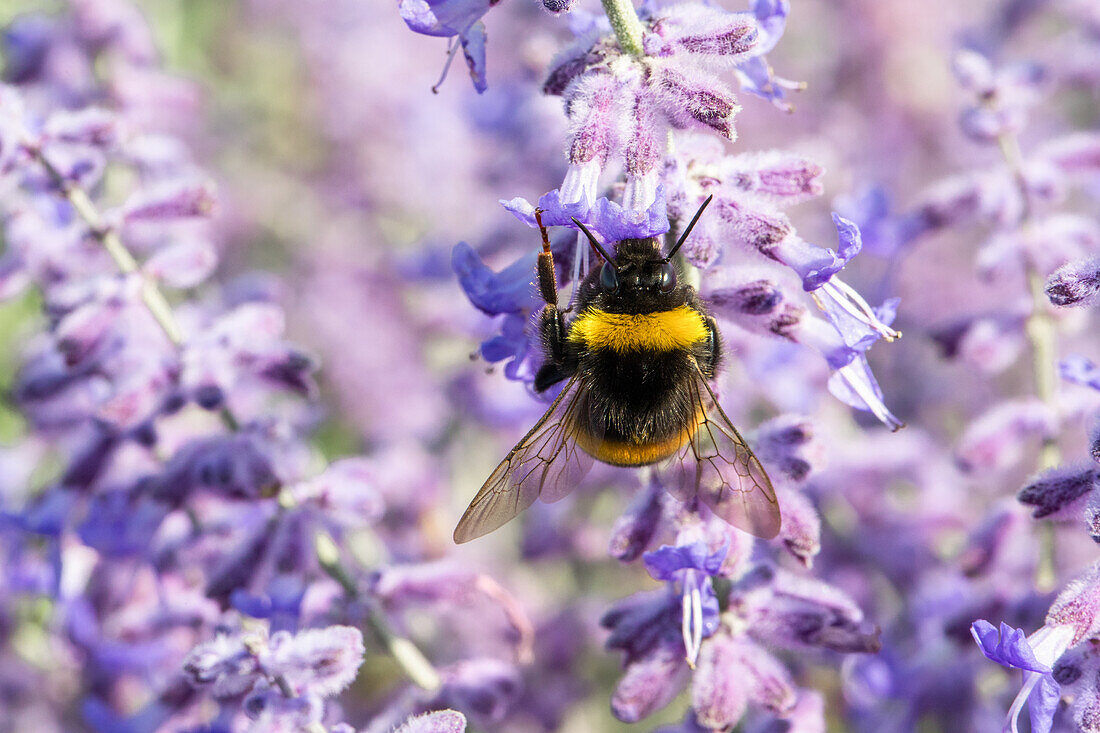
{"type": "Point", "coordinates": [599, 247]}
{"type": "Point", "coordinates": [684, 236]}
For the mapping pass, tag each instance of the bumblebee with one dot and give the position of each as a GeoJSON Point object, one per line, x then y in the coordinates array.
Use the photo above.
{"type": "Point", "coordinates": [637, 361]}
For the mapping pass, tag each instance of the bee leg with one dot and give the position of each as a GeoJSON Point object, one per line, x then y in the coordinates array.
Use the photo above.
{"type": "Point", "coordinates": [712, 350]}
{"type": "Point", "coordinates": [559, 363]}
{"type": "Point", "coordinates": [548, 279]}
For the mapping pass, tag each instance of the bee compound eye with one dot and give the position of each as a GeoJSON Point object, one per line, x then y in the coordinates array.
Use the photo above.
{"type": "Point", "coordinates": [667, 278]}
{"type": "Point", "coordinates": [609, 278]}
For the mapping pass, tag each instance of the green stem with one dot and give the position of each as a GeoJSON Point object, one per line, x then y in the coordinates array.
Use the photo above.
{"type": "Point", "coordinates": [151, 295]}
{"type": "Point", "coordinates": [1042, 334]}
{"type": "Point", "coordinates": [625, 23]}
{"type": "Point", "coordinates": [1043, 337]}
{"type": "Point", "coordinates": [407, 655]}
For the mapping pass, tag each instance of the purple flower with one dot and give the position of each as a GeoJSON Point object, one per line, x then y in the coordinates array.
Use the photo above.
{"type": "Point", "coordinates": [639, 622]}
{"type": "Point", "coordinates": [1034, 655]}
{"type": "Point", "coordinates": [610, 221]}
{"type": "Point", "coordinates": [1003, 96]}
{"type": "Point", "coordinates": [510, 292]}
{"type": "Point", "coordinates": [225, 664]}
{"type": "Point", "coordinates": [636, 527]}
{"type": "Point", "coordinates": [460, 19]}
{"type": "Point", "coordinates": [851, 380]}
{"type": "Point", "coordinates": [233, 466]}
{"type": "Point", "coordinates": [26, 45]}
{"type": "Point", "coordinates": [442, 17]}
{"type": "Point", "coordinates": [281, 603]}
{"type": "Point", "coordinates": [692, 566]}
{"type": "Point", "coordinates": [119, 524]}
{"type": "Point", "coordinates": [484, 688]}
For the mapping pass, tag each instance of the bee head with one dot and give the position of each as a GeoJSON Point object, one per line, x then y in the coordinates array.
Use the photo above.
{"type": "Point", "coordinates": [638, 270]}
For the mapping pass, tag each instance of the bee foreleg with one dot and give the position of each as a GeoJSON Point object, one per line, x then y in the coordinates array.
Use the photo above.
{"type": "Point", "coordinates": [559, 364]}
{"type": "Point", "coordinates": [548, 279]}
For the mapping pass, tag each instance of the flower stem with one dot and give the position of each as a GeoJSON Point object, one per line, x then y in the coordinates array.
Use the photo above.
{"type": "Point", "coordinates": [625, 23]}
{"type": "Point", "coordinates": [151, 295]}
{"type": "Point", "coordinates": [411, 660]}
{"type": "Point", "coordinates": [1043, 337]}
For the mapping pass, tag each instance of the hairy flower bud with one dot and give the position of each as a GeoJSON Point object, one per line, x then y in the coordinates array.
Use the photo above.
{"type": "Point", "coordinates": [781, 443]}
{"type": "Point", "coordinates": [1075, 153]}
{"type": "Point", "coordinates": [718, 692]}
{"type": "Point", "coordinates": [319, 662]}
{"type": "Point", "coordinates": [170, 201]}
{"type": "Point", "coordinates": [708, 31]}
{"type": "Point", "coordinates": [1076, 283]}
{"type": "Point", "coordinates": [1058, 491]}
{"type": "Point", "coordinates": [1078, 605]}
{"type": "Point", "coordinates": [441, 721]}
{"type": "Point", "coordinates": [697, 102]}
{"type": "Point", "coordinates": [996, 439]}
{"type": "Point", "coordinates": [634, 530]}
{"type": "Point", "coordinates": [557, 7]}
{"type": "Point", "coordinates": [650, 683]}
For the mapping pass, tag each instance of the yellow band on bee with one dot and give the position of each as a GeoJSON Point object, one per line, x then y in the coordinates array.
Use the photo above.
{"type": "Point", "coordinates": [626, 453]}
{"type": "Point", "coordinates": [660, 331]}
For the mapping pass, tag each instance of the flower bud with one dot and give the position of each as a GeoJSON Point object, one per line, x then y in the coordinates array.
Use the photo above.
{"type": "Point", "coordinates": [184, 263]}
{"type": "Point", "coordinates": [592, 117]}
{"type": "Point", "coordinates": [557, 7]}
{"type": "Point", "coordinates": [1058, 491]}
{"type": "Point", "coordinates": [484, 688]}
{"type": "Point", "coordinates": [1075, 283]}
{"type": "Point", "coordinates": [995, 440]}
{"type": "Point", "coordinates": [441, 721]}
{"type": "Point", "coordinates": [650, 683]}
{"type": "Point", "coordinates": [696, 102]}
{"type": "Point", "coordinates": [319, 662]}
{"type": "Point", "coordinates": [90, 126]}
{"type": "Point", "coordinates": [1075, 153]}
{"type": "Point", "coordinates": [801, 528]}
{"type": "Point", "coordinates": [781, 444]}
{"type": "Point", "coordinates": [166, 202]}
{"type": "Point", "coordinates": [708, 31]}
{"type": "Point", "coordinates": [1078, 605]}
{"type": "Point", "coordinates": [718, 691]}
{"type": "Point", "coordinates": [225, 664]}
{"type": "Point", "coordinates": [634, 530]}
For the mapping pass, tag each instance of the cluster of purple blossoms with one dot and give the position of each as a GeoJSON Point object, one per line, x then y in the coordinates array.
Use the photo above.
{"type": "Point", "coordinates": [165, 517]}
{"type": "Point", "coordinates": [649, 116]}
{"type": "Point", "coordinates": [1035, 251]}
{"type": "Point", "coordinates": [202, 529]}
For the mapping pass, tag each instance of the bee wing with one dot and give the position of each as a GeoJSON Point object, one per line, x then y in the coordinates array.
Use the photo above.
{"type": "Point", "coordinates": [546, 463]}
{"type": "Point", "coordinates": [718, 467]}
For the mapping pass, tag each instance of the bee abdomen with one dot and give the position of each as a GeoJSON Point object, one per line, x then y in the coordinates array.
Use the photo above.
{"type": "Point", "coordinates": [619, 450]}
